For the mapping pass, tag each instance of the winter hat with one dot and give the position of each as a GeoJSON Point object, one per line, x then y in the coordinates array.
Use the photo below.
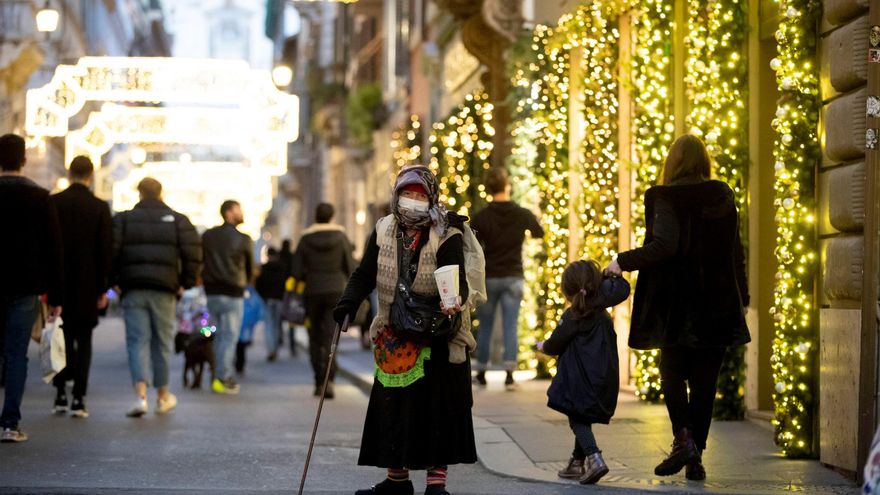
{"type": "Point", "coordinates": [416, 188]}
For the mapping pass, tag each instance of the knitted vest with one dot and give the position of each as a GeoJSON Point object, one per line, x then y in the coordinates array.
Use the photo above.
{"type": "Point", "coordinates": [424, 283]}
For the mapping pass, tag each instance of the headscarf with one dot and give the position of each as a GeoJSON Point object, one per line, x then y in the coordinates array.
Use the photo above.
{"type": "Point", "coordinates": [436, 215]}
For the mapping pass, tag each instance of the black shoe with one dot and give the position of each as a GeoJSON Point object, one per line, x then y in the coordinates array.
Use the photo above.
{"type": "Point", "coordinates": [695, 471]}
{"type": "Point", "coordinates": [389, 487]}
{"type": "Point", "coordinates": [78, 409]}
{"type": "Point", "coordinates": [60, 406]}
{"type": "Point", "coordinates": [509, 384]}
{"type": "Point", "coordinates": [481, 378]}
{"type": "Point", "coordinates": [683, 452]}
{"type": "Point", "coordinates": [272, 357]}
{"type": "Point", "coordinates": [436, 490]}
{"type": "Point", "coordinates": [330, 393]}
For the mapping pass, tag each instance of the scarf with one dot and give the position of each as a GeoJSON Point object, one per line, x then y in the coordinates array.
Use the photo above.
{"type": "Point", "coordinates": [436, 216]}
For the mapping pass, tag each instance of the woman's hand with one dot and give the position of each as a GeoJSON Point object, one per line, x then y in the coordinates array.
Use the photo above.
{"type": "Point", "coordinates": [451, 310]}
{"type": "Point", "coordinates": [614, 269]}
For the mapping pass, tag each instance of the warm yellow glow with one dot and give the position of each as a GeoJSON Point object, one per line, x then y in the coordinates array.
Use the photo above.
{"type": "Point", "coordinates": [47, 20]}
{"type": "Point", "coordinates": [282, 75]}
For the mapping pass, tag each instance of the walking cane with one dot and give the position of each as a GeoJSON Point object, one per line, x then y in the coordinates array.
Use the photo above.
{"type": "Point", "coordinates": [336, 333]}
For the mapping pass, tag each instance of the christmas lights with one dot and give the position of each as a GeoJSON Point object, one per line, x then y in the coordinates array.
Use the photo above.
{"type": "Point", "coordinates": [406, 143]}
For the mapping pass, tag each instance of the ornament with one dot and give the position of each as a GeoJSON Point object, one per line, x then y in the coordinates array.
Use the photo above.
{"type": "Point", "coordinates": [787, 83]}
{"type": "Point", "coordinates": [791, 13]}
{"type": "Point", "coordinates": [788, 203]}
{"type": "Point", "coordinates": [802, 348]}
{"type": "Point", "coordinates": [787, 138]}
{"type": "Point", "coordinates": [775, 64]}
{"type": "Point", "coordinates": [780, 387]}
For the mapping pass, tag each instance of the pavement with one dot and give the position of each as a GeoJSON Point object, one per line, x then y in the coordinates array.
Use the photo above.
{"type": "Point", "coordinates": [519, 436]}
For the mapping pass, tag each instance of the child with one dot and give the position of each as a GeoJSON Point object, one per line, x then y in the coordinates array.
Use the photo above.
{"type": "Point", "coordinates": [586, 385]}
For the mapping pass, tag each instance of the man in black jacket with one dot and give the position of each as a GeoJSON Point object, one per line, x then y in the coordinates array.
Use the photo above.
{"type": "Point", "coordinates": [228, 269]}
{"type": "Point", "coordinates": [323, 260]}
{"type": "Point", "coordinates": [156, 254]}
{"type": "Point", "coordinates": [270, 286]}
{"type": "Point", "coordinates": [87, 235]}
{"type": "Point", "coordinates": [32, 265]}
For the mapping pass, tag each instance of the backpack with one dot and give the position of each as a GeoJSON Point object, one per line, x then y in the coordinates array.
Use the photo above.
{"type": "Point", "coordinates": [474, 267]}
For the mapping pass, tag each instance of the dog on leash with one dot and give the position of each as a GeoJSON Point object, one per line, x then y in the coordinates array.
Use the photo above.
{"type": "Point", "coordinates": [198, 350]}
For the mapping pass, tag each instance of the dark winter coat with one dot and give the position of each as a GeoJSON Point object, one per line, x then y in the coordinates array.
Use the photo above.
{"type": "Point", "coordinates": [692, 286]}
{"type": "Point", "coordinates": [228, 258]}
{"type": "Point", "coordinates": [31, 250]}
{"type": "Point", "coordinates": [270, 282]}
{"type": "Point", "coordinates": [501, 228]}
{"type": "Point", "coordinates": [156, 248]}
{"type": "Point", "coordinates": [323, 259]}
{"type": "Point", "coordinates": [87, 234]}
{"type": "Point", "coordinates": [586, 384]}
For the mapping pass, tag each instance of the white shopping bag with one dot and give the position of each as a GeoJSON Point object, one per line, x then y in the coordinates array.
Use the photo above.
{"type": "Point", "coordinates": [52, 353]}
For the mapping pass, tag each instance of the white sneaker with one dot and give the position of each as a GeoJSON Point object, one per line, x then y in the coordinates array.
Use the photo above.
{"type": "Point", "coordinates": [139, 409]}
{"type": "Point", "coordinates": [166, 405]}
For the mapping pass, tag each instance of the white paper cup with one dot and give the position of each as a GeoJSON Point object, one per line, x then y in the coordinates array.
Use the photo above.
{"type": "Point", "coordinates": [447, 284]}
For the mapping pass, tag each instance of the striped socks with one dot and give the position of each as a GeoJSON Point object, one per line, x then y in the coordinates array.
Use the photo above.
{"type": "Point", "coordinates": [398, 474]}
{"type": "Point", "coordinates": [437, 476]}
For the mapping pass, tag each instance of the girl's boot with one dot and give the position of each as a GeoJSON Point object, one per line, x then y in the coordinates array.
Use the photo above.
{"type": "Point", "coordinates": [594, 469]}
{"type": "Point", "coordinates": [574, 470]}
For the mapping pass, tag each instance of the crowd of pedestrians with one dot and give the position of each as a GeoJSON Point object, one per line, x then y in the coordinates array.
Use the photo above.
{"type": "Point", "coordinates": [689, 303]}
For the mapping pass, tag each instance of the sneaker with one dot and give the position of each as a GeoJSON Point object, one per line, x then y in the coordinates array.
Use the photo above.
{"type": "Point", "coordinates": [78, 409]}
{"type": "Point", "coordinates": [13, 435]}
{"type": "Point", "coordinates": [138, 409]}
{"type": "Point", "coordinates": [228, 387]}
{"type": "Point", "coordinates": [60, 406]}
{"type": "Point", "coordinates": [481, 378]}
{"type": "Point", "coordinates": [167, 404]}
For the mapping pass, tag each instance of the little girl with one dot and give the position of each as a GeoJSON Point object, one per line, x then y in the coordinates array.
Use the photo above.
{"type": "Point", "coordinates": [586, 384]}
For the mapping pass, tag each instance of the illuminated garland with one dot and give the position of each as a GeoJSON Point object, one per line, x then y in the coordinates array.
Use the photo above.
{"type": "Point", "coordinates": [406, 143]}
{"type": "Point", "coordinates": [460, 149]}
{"type": "Point", "coordinates": [796, 151]}
{"type": "Point", "coordinates": [654, 131]}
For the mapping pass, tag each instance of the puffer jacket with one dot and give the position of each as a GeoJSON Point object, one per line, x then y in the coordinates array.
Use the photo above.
{"type": "Point", "coordinates": [228, 261]}
{"type": "Point", "coordinates": [155, 247]}
{"type": "Point", "coordinates": [323, 260]}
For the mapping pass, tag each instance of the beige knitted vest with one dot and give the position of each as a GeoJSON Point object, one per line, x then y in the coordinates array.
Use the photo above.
{"type": "Point", "coordinates": [386, 279]}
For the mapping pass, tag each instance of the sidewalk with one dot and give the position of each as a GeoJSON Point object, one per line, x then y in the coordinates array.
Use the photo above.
{"type": "Point", "coordinates": [518, 436]}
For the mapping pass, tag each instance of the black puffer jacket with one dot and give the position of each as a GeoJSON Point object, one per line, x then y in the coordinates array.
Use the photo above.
{"type": "Point", "coordinates": [323, 260]}
{"type": "Point", "coordinates": [154, 247]}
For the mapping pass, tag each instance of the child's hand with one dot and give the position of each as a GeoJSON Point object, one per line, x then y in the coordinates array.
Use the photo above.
{"type": "Point", "coordinates": [614, 269]}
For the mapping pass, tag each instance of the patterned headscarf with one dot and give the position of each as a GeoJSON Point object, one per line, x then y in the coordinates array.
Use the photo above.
{"type": "Point", "coordinates": [436, 215]}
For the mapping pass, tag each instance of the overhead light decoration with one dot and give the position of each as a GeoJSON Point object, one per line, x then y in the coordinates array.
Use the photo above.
{"type": "Point", "coordinates": [47, 19]}
{"type": "Point", "coordinates": [796, 152]}
{"type": "Point", "coordinates": [282, 76]}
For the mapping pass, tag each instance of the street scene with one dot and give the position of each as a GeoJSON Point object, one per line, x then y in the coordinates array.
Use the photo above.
{"type": "Point", "coordinates": [393, 247]}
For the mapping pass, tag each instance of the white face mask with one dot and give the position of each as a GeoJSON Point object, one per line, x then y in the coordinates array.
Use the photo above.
{"type": "Point", "coordinates": [413, 205]}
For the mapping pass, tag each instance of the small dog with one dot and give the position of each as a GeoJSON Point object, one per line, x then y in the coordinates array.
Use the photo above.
{"type": "Point", "coordinates": [198, 349]}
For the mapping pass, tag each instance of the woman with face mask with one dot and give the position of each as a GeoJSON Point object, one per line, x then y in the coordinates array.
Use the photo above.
{"type": "Point", "coordinates": [419, 416]}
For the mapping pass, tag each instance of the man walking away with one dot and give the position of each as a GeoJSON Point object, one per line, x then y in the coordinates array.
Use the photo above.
{"type": "Point", "coordinates": [156, 254]}
{"type": "Point", "coordinates": [323, 260]}
{"type": "Point", "coordinates": [32, 265]}
{"type": "Point", "coordinates": [501, 228]}
{"type": "Point", "coordinates": [270, 286]}
{"type": "Point", "coordinates": [87, 235]}
{"type": "Point", "coordinates": [228, 269]}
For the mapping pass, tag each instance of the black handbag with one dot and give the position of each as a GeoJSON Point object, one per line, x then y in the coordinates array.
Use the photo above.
{"type": "Point", "coordinates": [419, 317]}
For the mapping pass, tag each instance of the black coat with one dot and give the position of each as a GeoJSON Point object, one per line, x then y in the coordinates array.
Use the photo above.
{"type": "Point", "coordinates": [692, 295]}
{"type": "Point", "coordinates": [86, 231]}
{"type": "Point", "coordinates": [323, 259]}
{"type": "Point", "coordinates": [31, 250]}
{"type": "Point", "coordinates": [270, 282]}
{"type": "Point", "coordinates": [228, 258]}
{"type": "Point", "coordinates": [156, 248]}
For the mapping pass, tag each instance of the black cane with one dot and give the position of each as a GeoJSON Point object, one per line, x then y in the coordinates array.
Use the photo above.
{"type": "Point", "coordinates": [336, 333]}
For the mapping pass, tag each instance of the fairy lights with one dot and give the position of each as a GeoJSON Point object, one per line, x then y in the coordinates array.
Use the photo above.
{"type": "Point", "coordinates": [796, 151]}
{"type": "Point", "coordinates": [406, 143]}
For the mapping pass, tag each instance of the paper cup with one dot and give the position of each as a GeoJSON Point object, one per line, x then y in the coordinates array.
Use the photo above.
{"type": "Point", "coordinates": [447, 284]}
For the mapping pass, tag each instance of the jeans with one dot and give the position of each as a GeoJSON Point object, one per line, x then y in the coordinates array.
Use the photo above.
{"type": "Point", "coordinates": [78, 350]}
{"type": "Point", "coordinates": [319, 309]}
{"type": "Point", "coordinates": [584, 440]}
{"type": "Point", "coordinates": [273, 325]}
{"type": "Point", "coordinates": [17, 316]}
{"type": "Point", "coordinates": [683, 367]}
{"type": "Point", "coordinates": [508, 293]}
{"type": "Point", "coordinates": [227, 312]}
{"type": "Point", "coordinates": [149, 334]}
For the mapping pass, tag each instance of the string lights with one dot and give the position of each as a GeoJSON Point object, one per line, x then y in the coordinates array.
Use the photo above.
{"type": "Point", "coordinates": [796, 151]}
{"type": "Point", "coordinates": [406, 143]}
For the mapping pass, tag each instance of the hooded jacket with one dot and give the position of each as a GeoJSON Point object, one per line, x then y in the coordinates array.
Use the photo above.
{"type": "Point", "coordinates": [323, 260]}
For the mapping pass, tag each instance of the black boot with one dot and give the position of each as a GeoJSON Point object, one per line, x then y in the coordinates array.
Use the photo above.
{"type": "Point", "coordinates": [694, 470]}
{"type": "Point", "coordinates": [683, 452]}
{"type": "Point", "coordinates": [436, 490]}
{"type": "Point", "coordinates": [481, 377]}
{"type": "Point", "coordinates": [389, 487]}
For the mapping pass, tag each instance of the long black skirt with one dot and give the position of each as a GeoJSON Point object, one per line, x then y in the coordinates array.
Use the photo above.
{"type": "Point", "coordinates": [424, 425]}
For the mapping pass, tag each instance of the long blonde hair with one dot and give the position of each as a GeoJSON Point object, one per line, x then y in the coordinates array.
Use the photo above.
{"type": "Point", "coordinates": [688, 157]}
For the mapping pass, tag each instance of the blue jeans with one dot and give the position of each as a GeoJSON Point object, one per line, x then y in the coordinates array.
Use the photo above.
{"type": "Point", "coordinates": [508, 293]}
{"type": "Point", "coordinates": [149, 334]}
{"type": "Point", "coordinates": [17, 316]}
{"type": "Point", "coordinates": [226, 312]}
{"type": "Point", "coordinates": [273, 324]}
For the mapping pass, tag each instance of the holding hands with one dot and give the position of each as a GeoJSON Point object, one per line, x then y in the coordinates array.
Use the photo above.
{"type": "Point", "coordinates": [613, 269]}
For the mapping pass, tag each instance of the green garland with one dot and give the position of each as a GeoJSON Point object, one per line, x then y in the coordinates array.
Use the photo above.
{"type": "Point", "coordinates": [797, 152]}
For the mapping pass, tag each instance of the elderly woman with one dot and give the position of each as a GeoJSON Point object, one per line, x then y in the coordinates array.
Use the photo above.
{"type": "Point", "coordinates": [419, 416]}
{"type": "Point", "coordinates": [690, 294]}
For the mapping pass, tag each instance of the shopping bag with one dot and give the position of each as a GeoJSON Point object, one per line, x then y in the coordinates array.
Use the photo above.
{"type": "Point", "coordinates": [52, 352]}
{"type": "Point", "coordinates": [39, 322]}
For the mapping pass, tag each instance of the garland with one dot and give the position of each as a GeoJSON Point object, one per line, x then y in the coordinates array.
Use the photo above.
{"type": "Point", "coordinates": [796, 151]}
{"type": "Point", "coordinates": [406, 143]}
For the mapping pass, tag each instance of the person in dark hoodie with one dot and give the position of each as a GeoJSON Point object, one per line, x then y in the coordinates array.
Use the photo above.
{"type": "Point", "coordinates": [690, 295]}
{"type": "Point", "coordinates": [32, 265]}
{"type": "Point", "coordinates": [586, 384]}
{"type": "Point", "coordinates": [270, 286]}
{"type": "Point", "coordinates": [323, 261]}
{"type": "Point", "coordinates": [501, 228]}
{"type": "Point", "coordinates": [228, 270]}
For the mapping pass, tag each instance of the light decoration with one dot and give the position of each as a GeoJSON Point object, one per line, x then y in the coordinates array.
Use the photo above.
{"type": "Point", "coordinates": [197, 190]}
{"type": "Point", "coordinates": [406, 143]}
{"type": "Point", "coordinates": [796, 151]}
{"type": "Point", "coordinates": [460, 148]}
